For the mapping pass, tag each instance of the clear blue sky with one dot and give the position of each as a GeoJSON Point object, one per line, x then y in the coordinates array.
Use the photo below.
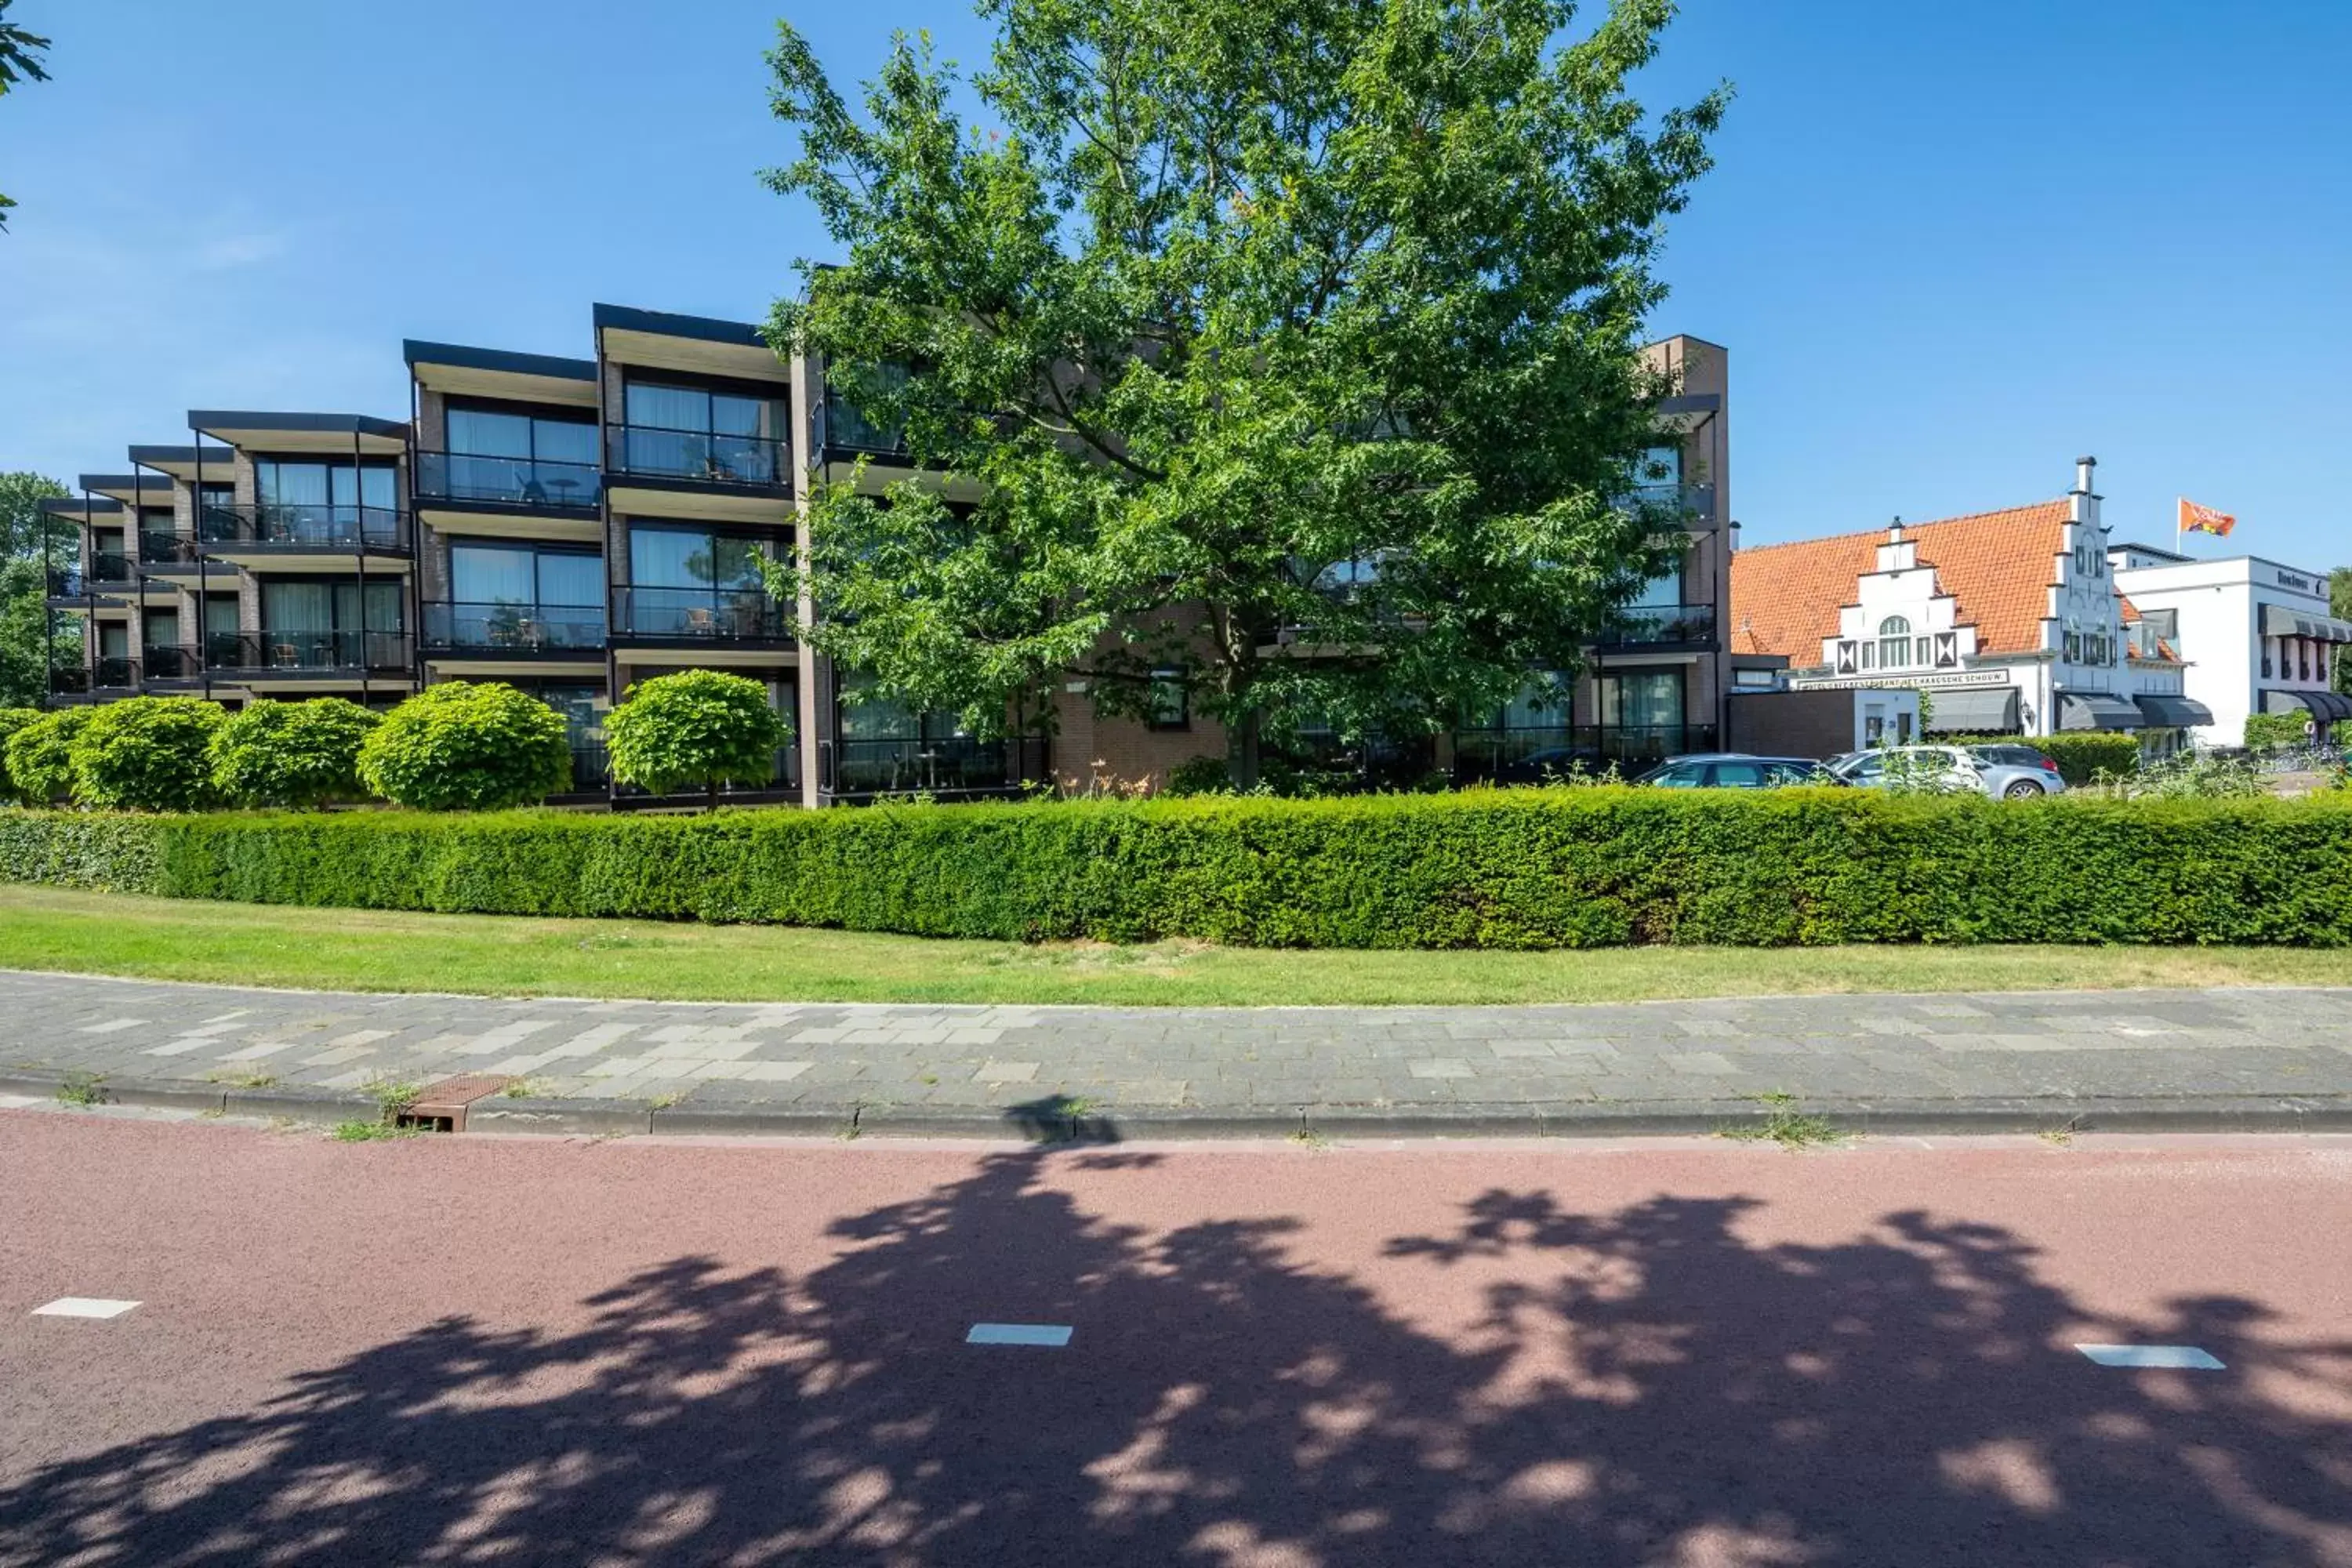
{"type": "Point", "coordinates": [1949, 246]}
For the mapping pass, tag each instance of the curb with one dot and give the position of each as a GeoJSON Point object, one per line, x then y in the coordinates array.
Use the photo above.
{"type": "Point", "coordinates": [1049, 1123]}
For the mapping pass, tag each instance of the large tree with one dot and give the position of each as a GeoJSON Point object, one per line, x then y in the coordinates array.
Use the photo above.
{"type": "Point", "coordinates": [26, 634]}
{"type": "Point", "coordinates": [1317, 318]}
{"type": "Point", "coordinates": [20, 53]}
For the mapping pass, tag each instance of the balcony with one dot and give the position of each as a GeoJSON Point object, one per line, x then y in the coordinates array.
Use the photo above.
{"type": "Point", "coordinates": [310, 653]}
{"type": "Point", "coordinates": [1650, 626]}
{"type": "Point", "coordinates": [647, 451]}
{"type": "Point", "coordinates": [106, 572]}
{"type": "Point", "coordinates": [718, 616]}
{"type": "Point", "coordinates": [169, 555]}
{"type": "Point", "coordinates": [272, 527]}
{"type": "Point", "coordinates": [469, 478]}
{"type": "Point", "coordinates": [950, 765]}
{"type": "Point", "coordinates": [1695, 503]}
{"type": "Point", "coordinates": [165, 663]}
{"type": "Point", "coordinates": [498, 628]}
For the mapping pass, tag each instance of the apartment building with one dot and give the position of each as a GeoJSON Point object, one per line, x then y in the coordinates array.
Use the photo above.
{"type": "Point", "coordinates": [2008, 622]}
{"type": "Point", "coordinates": [572, 526]}
{"type": "Point", "coordinates": [2257, 637]}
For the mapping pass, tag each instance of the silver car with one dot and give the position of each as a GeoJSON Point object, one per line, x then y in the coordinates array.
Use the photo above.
{"type": "Point", "coordinates": [1997, 771]}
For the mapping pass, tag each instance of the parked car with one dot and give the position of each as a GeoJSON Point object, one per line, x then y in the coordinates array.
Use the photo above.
{"type": "Point", "coordinates": [1957, 767]}
{"type": "Point", "coordinates": [1736, 770]}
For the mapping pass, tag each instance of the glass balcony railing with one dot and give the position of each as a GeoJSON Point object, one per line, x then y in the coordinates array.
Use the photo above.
{"type": "Point", "coordinates": [171, 661]}
{"type": "Point", "coordinates": [310, 652]}
{"type": "Point", "coordinates": [106, 572]}
{"type": "Point", "coordinates": [499, 626]}
{"type": "Point", "coordinates": [508, 482]}
{"type": "Point", "coordinates": [282, 525]}
{"type": "Point", "coordinates": [1637, 624]}
{"type": "Point", "coordinates": [704, 455]}
{"type": "Point", "coordinates": [957, 764]}
{"type": "Point", "coordinates": [167, 552]}
{"type": "Point", "coordinates": [717, 614]}
{"type": "Point", "coordinates": [1695, 503]}
{"type": "Point", "coordinates": [115, 672]}
{"type": "Point", "coordinates": [69, 680]}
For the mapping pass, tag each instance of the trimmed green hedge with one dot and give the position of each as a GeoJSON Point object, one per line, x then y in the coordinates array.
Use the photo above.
{"type": "Point", "coordinates": [1516, 868]}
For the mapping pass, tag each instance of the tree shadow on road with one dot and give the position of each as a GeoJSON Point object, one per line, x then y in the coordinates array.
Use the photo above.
{"type": "Point", "coordinates": [1643, 1387]}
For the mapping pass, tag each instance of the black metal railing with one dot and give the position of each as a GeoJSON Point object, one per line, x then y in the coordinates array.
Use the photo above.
{"type": "Point", "coordinates": [659, 453]}
{"type": "Point", "coordinates": [309, 651]}
{"type": "Point", "coordinates": [951, 766]}
{"type": "Point", "coordinates": [715, 614]}
{"type": "Point", "coordinates": [1659, 623]}
{"type": "Point", "coordinates": [496, 627]}
{"type": "Point", "coordinates": [168, 552]}
{"type": "Point", "coordinates": [276, 524]}
{"type": "Point", "coordinates": [506, 482]}
{"type": "Point", "coordinates": [1534, 753]}
{"type": "Point", "coordinates": [69, 680]}
{"type": "Point", "coordinates": [115, 672]}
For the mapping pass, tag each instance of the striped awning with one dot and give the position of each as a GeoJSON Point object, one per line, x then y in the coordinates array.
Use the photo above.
{"type": "Point", "coordinates": [1972, 710]}
{"type": "Point", "coordinates": [2286, 621]}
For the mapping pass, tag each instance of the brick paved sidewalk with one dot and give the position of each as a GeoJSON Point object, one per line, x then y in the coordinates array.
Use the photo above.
{"type": "Point", "coordinates": [2048, 1049]}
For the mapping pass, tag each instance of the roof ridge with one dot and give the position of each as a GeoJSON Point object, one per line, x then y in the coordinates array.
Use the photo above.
{"type": "Point", "coordinates": [1879, 533]}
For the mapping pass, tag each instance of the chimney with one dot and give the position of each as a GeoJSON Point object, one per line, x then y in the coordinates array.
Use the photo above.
{"type": "Point", "coordinates": [2082, 467]}
{"type": "Point", "coordinates": [2085, 506]}
{"type": "Point", "coordinates": [1894, 529]}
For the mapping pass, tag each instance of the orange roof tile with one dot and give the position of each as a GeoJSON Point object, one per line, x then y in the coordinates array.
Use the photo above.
{"type": "Point", "coordinates": [1785, 598]}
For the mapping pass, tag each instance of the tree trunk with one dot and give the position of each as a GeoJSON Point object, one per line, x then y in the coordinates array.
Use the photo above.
{"type": "Point", "coordinates": [710, 801]}
{"type": "Point", "coordinates": [1246, 746]}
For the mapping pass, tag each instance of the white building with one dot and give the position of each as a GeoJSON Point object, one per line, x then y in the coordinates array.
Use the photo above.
{"type": "Point", "coordinates": [2009, 621]}
{"type": "Point", "coordinates": [2256, 636]}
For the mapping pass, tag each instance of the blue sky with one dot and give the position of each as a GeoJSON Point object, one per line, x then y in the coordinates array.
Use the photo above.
{"type": "Point", "coordinates": [1949, 246]}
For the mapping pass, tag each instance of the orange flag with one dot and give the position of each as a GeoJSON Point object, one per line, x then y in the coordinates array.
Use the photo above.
{"type": "Point", "coordinates": [2195, 519]}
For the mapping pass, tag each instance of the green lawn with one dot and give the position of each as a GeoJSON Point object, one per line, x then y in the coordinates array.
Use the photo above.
{"type": "Point", "coordinates": [356, 950]}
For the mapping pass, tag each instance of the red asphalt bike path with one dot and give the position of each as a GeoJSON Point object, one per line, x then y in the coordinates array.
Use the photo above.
{"type": "Point", "coordinates": [494, 1350]}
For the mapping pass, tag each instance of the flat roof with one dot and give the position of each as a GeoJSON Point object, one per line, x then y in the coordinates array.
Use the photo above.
{"type": "Point", "coordinates": [141, 481]}
{"type": "Point", "coordinates": [464, 357]}
{"type": "Point", "coordinates": [76, 505]}
{"type": "Point", "coordinates": [159, 454]}
{"type": "Point", "coordinates": [211, 419]}
{"type": "Point", "coordinates": [662, 323]}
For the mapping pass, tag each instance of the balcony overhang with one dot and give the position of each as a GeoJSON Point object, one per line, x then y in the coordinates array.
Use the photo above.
{"type": "Point", "coordinates": [261, 684]}
{"type": "Point", "coordinates": [466, 372]}
{"type": "Point", "coordinates": [329, 434]}
{"type": "Point", "coordinates": [76, 507]}
{"type": "Point", "coordinates": [181, 462]}
{"type": "Point", "coordinates": [704, 654]}
{"type": "Point", "coordinates": [882, 469]}
{"type": "Point", "coordinates": [496, 522]}
{"type": "Point", "coordinates": [691, 499]}
{"type": "Point", "coordinates": [469, 665]}
{"type": "Point", "coordinates": [328, 563]}
{"type": "Point", "coordinates": [130, 490]}
{"type": "Point", "coordinates": [698, 345]}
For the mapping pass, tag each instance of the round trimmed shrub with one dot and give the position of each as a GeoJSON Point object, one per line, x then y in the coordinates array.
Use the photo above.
{"type": "Point", "coordinates": [696, 729]}
{"type": "Point", "coordinates": [291, 753]}
{"type": "Point", "coordinates": [40, 755]}
{"type": "Point", "coordinates": [460, 746]}
{"type": "Point", "coordinates": [146, 753]}
{"type": "Point", "coordinates": [11, 720]}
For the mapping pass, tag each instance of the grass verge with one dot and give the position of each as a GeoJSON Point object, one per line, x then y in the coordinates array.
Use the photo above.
{"type": "Point", "coordinates": [360, 950]}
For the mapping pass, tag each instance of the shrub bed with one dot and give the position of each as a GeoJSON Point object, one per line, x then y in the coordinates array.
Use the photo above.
{"type": "Point", "coordinates": [2081, 756]}
{"type": "Point", "coordinates": [1521, 869]}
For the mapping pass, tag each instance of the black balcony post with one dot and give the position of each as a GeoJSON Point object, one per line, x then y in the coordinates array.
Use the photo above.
{"type": "Point", "coordinates": [359, 549]}
{"type": "Point", "coordinates": [197, 511]}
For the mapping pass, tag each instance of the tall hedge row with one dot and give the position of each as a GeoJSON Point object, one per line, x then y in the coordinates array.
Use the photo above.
{"type": "Point", "coordinates": [1504, 870]}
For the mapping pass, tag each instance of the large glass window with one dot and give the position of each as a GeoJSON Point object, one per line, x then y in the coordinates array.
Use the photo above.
{"type": "Point", "coordinates": [699, 433]}
{"type": "Point", "coordinates": [324, 502]}
{"type": "Point", "coordinates": [1642, 699]}
{"type": "Point", "coordinates": [311, 624]}
{"type": "Point", "coordinates": [696, 582]}
{"type": "Point", "coordinates": [521, 458]}
{"type": "Point", "coordinates": [504, 596]}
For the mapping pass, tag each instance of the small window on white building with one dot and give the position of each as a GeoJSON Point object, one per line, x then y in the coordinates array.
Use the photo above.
{"type": "Point", "coordinates": [1894, 643]}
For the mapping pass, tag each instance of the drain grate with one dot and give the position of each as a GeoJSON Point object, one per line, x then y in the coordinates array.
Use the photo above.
{"type": "Point", "coordinates": [441, 1107]}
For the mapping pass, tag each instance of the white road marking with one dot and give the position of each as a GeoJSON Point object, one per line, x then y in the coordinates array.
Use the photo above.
{"type": "Point", "coordinates": [111, 1025]}
{"type": "Point", "coordinates": [83, 1307]}
{"type": "Point", "coordinates": [2183, 1356]}
{"type": "Point", "coordinates": [1053, 1336]}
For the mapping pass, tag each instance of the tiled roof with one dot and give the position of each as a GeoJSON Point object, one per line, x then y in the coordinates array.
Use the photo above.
{"type": "Point", "coordinates": [1785, 598]}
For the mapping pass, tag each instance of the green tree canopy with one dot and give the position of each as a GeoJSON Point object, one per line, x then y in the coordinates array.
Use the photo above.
{"type": "Point", "coordinates": [1318, 319]}
{"type": "Point", "coordinates": [26, 634]}
{"type": "Point", "coordinates": [699, 727]}
{"type": "Point", "coordinates": [465, 746]}
{"type": "Point", "coordinates": [290, 753]}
